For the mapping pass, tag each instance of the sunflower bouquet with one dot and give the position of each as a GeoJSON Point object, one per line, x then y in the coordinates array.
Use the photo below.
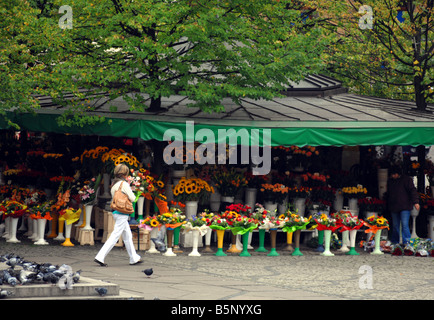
{"type": "Point", "coordinates": [149, 222]}
{"type": "Point", "coordinates": [375, 223]}
{"type": "Point", "coordinates": [274, 192]}
{"type": "Point", "coordinates": [354, 192]}
{"type": "Point", "coordinates": [229, 182]}
{"type": "Point", "coordinates": [193, 189]}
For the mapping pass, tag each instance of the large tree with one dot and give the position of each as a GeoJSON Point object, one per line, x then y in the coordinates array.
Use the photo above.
{"type": "Point", "coordinates": [206, 50]}
{"type": "Point", "coordinates": [383, 47]}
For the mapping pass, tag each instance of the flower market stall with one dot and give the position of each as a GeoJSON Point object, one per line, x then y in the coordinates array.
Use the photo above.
{"type": "Point", "coordinates": [69, 171]}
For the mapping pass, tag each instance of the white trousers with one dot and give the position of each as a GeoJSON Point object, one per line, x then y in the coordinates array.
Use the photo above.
{"type": "Point", "coordinates": [121, 228]}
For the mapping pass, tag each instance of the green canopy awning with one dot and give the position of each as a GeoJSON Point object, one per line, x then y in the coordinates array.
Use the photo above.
{"type": "Point", "coordinates": [317, 113]}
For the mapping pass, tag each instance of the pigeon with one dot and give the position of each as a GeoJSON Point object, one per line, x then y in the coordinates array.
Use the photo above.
{"type": "Point", "coordinates": [101, 291]}
{"type": "Point", "coordinates": [26, 276]}
{"type": "Point", "coordinates": [5, 293]}
{"type": "Point", "coordinates": [10, 279]}
{"type": "Point", "coordinates": [148, 272]}
{"type": "Point", "coordinates": [76, 276]}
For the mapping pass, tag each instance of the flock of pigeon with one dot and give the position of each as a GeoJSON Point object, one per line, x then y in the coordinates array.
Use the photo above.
{"type": "Point", "coordinates": [20, 272]}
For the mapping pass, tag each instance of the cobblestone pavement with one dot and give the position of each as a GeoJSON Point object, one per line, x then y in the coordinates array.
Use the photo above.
{"type": "Point", "coordinates": [258, 277]}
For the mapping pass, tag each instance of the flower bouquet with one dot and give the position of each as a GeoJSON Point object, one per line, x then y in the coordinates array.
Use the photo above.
{"type": "Point", "coordinates": [299, 192]}
{"type": "Point", "coordinates": [149, 222]}
{"type": "Point", "coordinates": [375, 225]}
{"type": "Point", "coordinates": [42, 210]}
{"type": "Point", "coordinates": [196, 223]}
{"type": "Point", "coordinates": [13, 209]}
{"type": "Point", "coordinates": [239, 208]}
{"type": "Point", "coordinates": [275, 193]}
{"type": "Point", "coordinates": [397, 250]}
{"type": "Point", "coordinates": [208, 216]}
{"type": "Point", "coordinates": [355, 192]}
{"type": "Point", "coordinates": [88, 191]}
{"type": "Point", "coordinates": [349, 226]}
{"type": "Point", "coordinates": [219, 223]}
{"type": "Point", "coordinates": [295, 223]}
{"type": "Point", "coordinates": [172, 219]}
{"type": "Point", "coordinates": [229, 182]}
{"type": "Point", "coordinates": [328, 225]}
{"type": "Point", "coordinates": [193, 189]}
{"type": "Point", "coordinates": [243, 225]}
{"type": "Point", "coordinates": [370, 204]}
{"type": "Point", "coordinates": [259, 215]}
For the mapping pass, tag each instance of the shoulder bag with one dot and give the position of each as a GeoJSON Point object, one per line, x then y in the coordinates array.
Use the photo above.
{"type": "Point", "coordinates": [121, 203]}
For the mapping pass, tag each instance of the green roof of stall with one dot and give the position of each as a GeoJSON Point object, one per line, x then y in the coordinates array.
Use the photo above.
{"type": "Point", "coordinates": [320, 115]}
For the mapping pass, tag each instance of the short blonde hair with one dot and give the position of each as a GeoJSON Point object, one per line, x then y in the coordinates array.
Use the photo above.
{"type": "Point", "coordinates": [120, 170]}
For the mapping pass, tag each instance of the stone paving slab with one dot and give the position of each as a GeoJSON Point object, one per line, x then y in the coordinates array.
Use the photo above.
{"type": "Point", "coordinates": [259, 277]}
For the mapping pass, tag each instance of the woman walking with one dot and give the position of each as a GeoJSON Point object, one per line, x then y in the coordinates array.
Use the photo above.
{"type": "Point", "coordinates": [121, 228]}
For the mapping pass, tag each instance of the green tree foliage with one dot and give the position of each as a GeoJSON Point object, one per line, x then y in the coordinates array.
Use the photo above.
{"type": "Point", "coordinates": [143, 50]}
{"type": "Point", "coordinates": [393, 57]}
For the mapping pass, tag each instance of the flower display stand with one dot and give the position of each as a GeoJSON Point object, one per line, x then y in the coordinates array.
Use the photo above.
{"type": "Point", "coordinates": [327, 239]}
{"type": "Point", "coordinates": [169, 252]}
{"type": "Point", "coordinates": [207, 237]}
{"type": "Point", "coordinates": [140, 203]}
{"type": "Point", "coordinates": [288, 246]}
{"type": "Point", "coordinates": [13, 225]}
{"type": "Point", "coordinates": [220, 236]}
{"type": "Point", "coordinates": [41, 232]}
{"type": "Point", "coordinates": [60, 235]}
{"type": "Point", "coordinates": [34, 235]}
{"type": "Point", "coordinates": [153, 234]}
{"type": "Point", "coordinates": [297, 251]}
{"type": "Point", "coordinates": [261, 247]}
{"type": "Point", "coordinates": [345, 241]}
{"type": "Point", "coordinates": [88, 208]}
{"type": "Point", "coordinates": [194, 252]}
{"type": "Point", "coordinates": [352, 250]}
{"type": "Point", "coordinates": [245, 252]}
{"type": "Point", "coordinates": [6, 232]}
{"type": "Point", "coordinates": [67, 242]}
{"type": "Point", "coordinates": [233, 247]}
{"type": "Point", "coordinates": [320, 247]}
{"type": "Point", "coordinates": [377, 238]}
{"type": "Point", "coordinates": [273, 235]}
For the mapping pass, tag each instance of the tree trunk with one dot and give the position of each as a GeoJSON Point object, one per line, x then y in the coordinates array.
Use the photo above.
{"type": "Point", "coordinates": [155, 105]}
{"type": "Point", "coordinates": [418, 92]}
